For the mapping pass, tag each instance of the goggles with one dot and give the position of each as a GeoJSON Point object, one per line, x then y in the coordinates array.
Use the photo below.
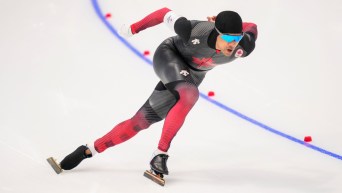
{"type": "Point", "coordinates": [230, 38]}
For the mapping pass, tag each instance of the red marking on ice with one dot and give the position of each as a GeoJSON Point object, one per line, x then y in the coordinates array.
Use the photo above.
{"type": "Point", "coordinates": [146, 53]}
{"type": "Point", "coordinates": [108, 15]}
{"type": "Point", "coordinates": [211, 93]}
{"type": "Point", "coordinates": [307, 138]}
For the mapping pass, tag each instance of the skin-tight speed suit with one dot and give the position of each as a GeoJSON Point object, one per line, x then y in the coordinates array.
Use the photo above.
{"type": "Point", "coordinates": [181, 63]}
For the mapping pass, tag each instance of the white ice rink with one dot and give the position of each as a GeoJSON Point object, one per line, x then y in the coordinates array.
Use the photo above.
{"type": "Point", "coordinates": [66, 79]}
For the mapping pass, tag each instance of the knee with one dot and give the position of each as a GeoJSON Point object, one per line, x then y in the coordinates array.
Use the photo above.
{"type": "Point", "coordinates": [144, 118]}
{"type": "Point", "coordinates": [188, 93]}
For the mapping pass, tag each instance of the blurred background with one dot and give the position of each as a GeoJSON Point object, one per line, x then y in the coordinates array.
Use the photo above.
{"type": "Point", "coordinates": [66, 79]}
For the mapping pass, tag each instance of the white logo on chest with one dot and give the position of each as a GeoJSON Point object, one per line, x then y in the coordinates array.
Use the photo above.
{"type": "Point", "coordinates": [195, 41]}
{"type": "Point", "coordinates": [184, 73]}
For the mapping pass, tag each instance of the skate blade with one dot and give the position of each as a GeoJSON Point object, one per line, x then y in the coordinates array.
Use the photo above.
{"type": "Point", "coordinates": [54, 165]}
{"type": "Point", "coordinates": [155, 178]}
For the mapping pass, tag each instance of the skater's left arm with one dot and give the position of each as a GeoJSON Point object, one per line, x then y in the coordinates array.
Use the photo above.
{"type": "Point", "coordinates": [180, 25]}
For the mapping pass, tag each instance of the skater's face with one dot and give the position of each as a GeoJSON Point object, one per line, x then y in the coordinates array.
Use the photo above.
{"type": "Point", "coordinates": [227, 43]}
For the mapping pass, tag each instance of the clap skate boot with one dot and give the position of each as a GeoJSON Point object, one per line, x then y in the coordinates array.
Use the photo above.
{"type": "Point", "coordinates": [158, 169]}
{"type": "Point", "coordinates": [70, 161]}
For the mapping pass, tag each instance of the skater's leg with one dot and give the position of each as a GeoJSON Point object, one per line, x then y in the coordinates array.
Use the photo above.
{"type": "Point", "coordinates": [187, 94]}
{"type": "Point", "coordinates": [154, 110]}
{"type": "Point", "coordinates": [125, 130]}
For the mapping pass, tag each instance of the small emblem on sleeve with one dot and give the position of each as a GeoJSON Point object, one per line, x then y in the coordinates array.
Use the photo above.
{"type": "Point", "coordinates": [239, 53]}
{"type": "Point", "coordinates": [169, 19]}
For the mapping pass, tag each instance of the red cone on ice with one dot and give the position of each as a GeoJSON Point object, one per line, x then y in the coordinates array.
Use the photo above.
{"type": "Point", "coordinates": [108, 15]}
{"type": "Point", "coordinates": [146, 53]}
{"type": "Point", "coordinates": [211, 94]}
{"type": "Point", "coordinates": [307, 138]}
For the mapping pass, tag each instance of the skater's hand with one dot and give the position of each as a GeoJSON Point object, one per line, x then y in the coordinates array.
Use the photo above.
{"type": "Point", "coordinates": [211, 18]}
{"type": "Point", "coordinates": [125, 31]}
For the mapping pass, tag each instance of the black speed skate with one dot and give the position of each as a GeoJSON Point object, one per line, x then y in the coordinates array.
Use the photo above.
{"type": "Point", "coordinates": [70, 161]}
{"type": "Point", "coordinates": [158, 169]}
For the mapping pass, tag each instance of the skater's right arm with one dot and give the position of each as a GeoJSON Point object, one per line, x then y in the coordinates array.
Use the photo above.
{"type": "Point", "coordinates": [150, 20]}
{"type": "Point", "coordinates": [180, 25]}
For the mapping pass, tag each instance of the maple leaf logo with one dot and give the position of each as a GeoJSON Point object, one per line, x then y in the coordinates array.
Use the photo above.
{"type": "Point", "coordinates": [204, 62]}
{"type": "Point", "coordinates": [239, 53]}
